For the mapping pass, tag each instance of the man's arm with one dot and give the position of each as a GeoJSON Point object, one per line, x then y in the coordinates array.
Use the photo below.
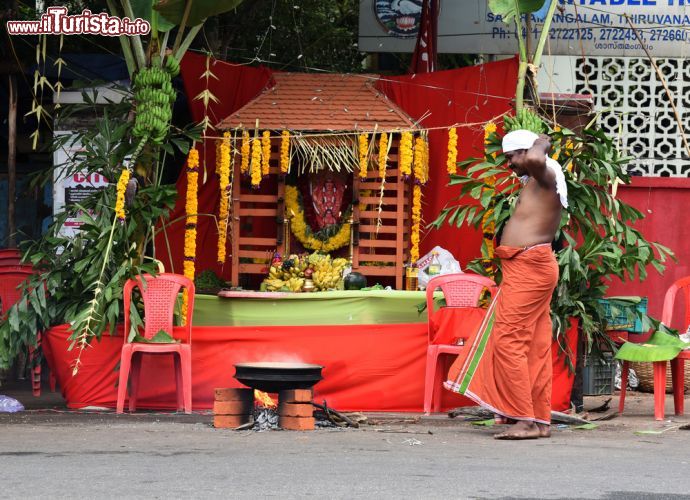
{"type": "Point", "coordinates": [535, 161]}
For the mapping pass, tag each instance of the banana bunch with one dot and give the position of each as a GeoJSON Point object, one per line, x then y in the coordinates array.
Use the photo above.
{"type": "Point", "coordinates": [273, 285]}
{"type": "Point", "coordinates": [155, 95]}
{"type": "Point", "coordinates": [328, 274]}
{"type": "Point", "coordinates": [524, 119]}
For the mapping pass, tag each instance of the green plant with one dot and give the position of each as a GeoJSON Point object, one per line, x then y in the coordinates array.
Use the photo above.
{"type": "Point", "coordinates": [597, 230]}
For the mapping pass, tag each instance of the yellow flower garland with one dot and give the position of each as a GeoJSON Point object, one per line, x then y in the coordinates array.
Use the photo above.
{"type": "Point", "coordinates": [244, 166]}
{"type": "Point", "coordinates": [383, 155]}
{"type": "Point", "coordinates": [120, 199]}
{"type": "Point", "coordinates": [223, 169]}
{"type": "Point", "coordinates": [301, 230]}
{"type": "Point", "coordinates": [255, 166]}
{"type": "Point", "coordinates": [451, 163]}
{"type": "Point", "coordinates": [265, 152]}
{"type": "Point", "coordinates": [285, 151]}
{"type": "Point", "coordinates": [416, 220]}
{"type": "Point", "coordinates": [405, 154]}
{"type": "Point", "coordinates": [191, 208]}
{"type": "Point", "coordinates": [363, 155]}
{"type": "Point", "coordinates": [419, 173]}
{"type": "Point", "coordinates": [488, 225]}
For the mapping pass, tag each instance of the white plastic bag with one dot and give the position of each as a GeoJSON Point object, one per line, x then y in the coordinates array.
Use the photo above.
{"type": "Point", "coordinates": [10, 405]}
{"type": "Point", "coordinates": [448, 265]}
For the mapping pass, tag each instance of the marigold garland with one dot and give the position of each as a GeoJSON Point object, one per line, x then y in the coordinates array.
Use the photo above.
{"type": "Point", "coordinates": [488, 225]}
{"type": "Point", "coordinates": [405, 154]}
{"type": "Point", "coordinates": [302, 231]}
{"type": "Point", "coordinates": [223, 169]}
{"type": "Point", "coordinates": [419, 170]}
{"type": "Point", "coordinates": [255, 166]}
{"type": "Point", "coordinates": [191, 207]}
{"type": "Point", "coordinates": [416, 221]}
{"type": "Point", "coordinates": [285, 151]}
{"type": "Point", "coordinates": [451, 163]}
{"type": "Point", "coordinates": [265, 152]}
{"type": "Point", "coordinates": [120, 199]}
{"type": "Point", "coordinates": [383, 155]}
{"type": "Point", "coordinates": [363, 155]}
{"type": "Point", "coordinates": [244, 166]}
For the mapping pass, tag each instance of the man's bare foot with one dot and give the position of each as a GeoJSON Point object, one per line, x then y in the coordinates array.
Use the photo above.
{"type": "Point", "coordinates": [522, 429]}
{"type": "Point", "coordinates": [544, 430]}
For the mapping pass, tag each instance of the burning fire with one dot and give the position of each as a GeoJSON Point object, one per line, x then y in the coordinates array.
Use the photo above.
{"type": "Point", "coordinates": [264, 399]}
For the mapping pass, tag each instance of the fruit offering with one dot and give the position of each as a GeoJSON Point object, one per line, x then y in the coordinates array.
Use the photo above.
{"type": "Point", "coordinates": [289, 274]}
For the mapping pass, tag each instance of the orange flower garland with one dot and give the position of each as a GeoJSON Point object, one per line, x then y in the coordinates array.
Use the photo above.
{"type": "Point", "coordinates": [363, 155]}
{"type": "Point", "coordinates": [405, 153]}
{"type": "Point", "coordinates": [255, 166]}
{"type": "Point", "coordinates": [244, 166]}
{"type": "Point", "coordinates": [120, 199]}
{"type": "Point", "coordinates": [223, 169]}
{"type": "Point", "coordinates": [421, 165]}
{"type": "Point", "coordinates": [265, 152]}
{"type": "Point", "coordinates": [191, 207]}
{"type": "Point", "coordinates": [383, 155]}
{"type": "Point", "coordinates": [452, 164]}
{"type": "Point", "coordinates": [285, 151]}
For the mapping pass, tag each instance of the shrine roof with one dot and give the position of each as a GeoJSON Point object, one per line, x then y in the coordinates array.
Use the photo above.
{"type": "Point", "coordinates": [320, 102]}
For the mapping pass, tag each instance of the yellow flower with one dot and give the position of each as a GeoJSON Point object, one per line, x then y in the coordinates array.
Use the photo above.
{"type": "Point", "coordinates": [191, 207]}
{"type": "Point", "coordinates": [451, 163]}
{"type": "Point", "coordinates": [383, 155]}
{"type": "Point", "coordinates": [285, 151]}
{"type": "Point", "coordinates": [255, 167]}
{"type": "Point", "coordinates": [265, 152]}
{"type": "Point", "coordinates": [420, 161]}
{"type": "Point", "coordinates": [363, 155]}
{"type": "Point", "coordinates": [244, 166]}
{"type": "Point", "coordinates": [120, 199]}
{"type": "Point", "coordinates": [405, 153]}
{"type": "Point", "coordinates": [416, 220]}
{"type": "Point", "coordinates": [299, 227]}
{"type": "Point", "coordinates": [489, 129]}
{"type": "Point", "coordinates": [223, 168]}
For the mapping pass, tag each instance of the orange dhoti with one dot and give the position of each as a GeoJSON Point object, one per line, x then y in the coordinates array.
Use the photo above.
{"type": "Point", "coordinates": [506, 367]}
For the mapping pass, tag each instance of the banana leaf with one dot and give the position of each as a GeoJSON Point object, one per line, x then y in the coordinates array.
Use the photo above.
{"type": "Point", "coordinates": [173, 10]}
{"type": "Point", "coordinates": [659, 347]}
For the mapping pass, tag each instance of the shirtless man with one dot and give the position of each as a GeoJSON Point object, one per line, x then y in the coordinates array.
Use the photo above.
{"type": "Point", "coordinates": [510, 368]}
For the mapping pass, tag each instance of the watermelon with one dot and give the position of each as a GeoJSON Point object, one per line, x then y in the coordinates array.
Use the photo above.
{"type": "Point", "coordinates": [355, 281]}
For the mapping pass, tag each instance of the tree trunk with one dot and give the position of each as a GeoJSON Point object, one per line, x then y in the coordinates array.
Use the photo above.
{"type": "Point", "coordinates": [12, 162]}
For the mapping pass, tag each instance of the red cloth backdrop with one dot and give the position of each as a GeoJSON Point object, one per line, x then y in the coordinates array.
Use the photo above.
{"type": "Point", "coordinates": [367, 367]}
{"type": "Point", "coordinates": [467, 95]}
{"type": "Point", "coordinates": [236, 85]}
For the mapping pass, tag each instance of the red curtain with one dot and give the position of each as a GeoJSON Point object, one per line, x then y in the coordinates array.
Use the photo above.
{"type": "Point", "coordinates": [462, 96]}
{"type": "Point", "coordinates": [234, 87]}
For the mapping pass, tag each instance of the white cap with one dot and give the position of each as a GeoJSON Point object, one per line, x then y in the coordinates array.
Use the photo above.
{"type": "Point", "coordinates": [518, 139]}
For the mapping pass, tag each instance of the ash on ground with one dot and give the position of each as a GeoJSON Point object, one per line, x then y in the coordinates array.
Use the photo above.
{"type": "Point", "coordinates": [265, 419]}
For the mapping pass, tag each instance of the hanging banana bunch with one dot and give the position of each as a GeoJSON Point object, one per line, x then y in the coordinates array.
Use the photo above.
{"type": "Point", "coordinates": [155, 96]}
{"type": "Point", "coordinates": [524, 120]}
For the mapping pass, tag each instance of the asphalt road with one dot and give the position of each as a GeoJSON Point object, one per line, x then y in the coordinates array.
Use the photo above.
{"type": "Point", "coordinates": [66, 455]}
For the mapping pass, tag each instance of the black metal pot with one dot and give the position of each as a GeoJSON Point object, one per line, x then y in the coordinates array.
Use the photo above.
{"type": "Point", "coordinates": [275, 376]}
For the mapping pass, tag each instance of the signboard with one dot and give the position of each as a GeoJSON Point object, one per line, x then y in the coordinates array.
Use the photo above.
{"type": "Point", "coordinates": [72, 189]}
{"type": "Point", "coordinates": [592, 27]}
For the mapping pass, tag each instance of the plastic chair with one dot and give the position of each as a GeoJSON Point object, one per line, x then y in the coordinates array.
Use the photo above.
{"type": "Point", "coordinates": [159, 294]}
{"type": "Point", "coordinates": [461, 291]}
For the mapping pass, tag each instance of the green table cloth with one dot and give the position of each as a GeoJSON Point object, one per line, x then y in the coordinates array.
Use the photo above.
{"type": "Point", "coordinates": [317, 308]}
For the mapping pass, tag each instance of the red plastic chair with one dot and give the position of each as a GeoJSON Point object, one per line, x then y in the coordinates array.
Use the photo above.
{"type": "Point", "coordinates": [461, 291]}
{"type": "Point", "coordinates": [677, 364]}
{"type": "Point", "coordinates": [159, 294]}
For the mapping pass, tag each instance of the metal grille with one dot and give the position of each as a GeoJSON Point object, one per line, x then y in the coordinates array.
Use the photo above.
{"type": "Point", "coordinates": [635, 108]}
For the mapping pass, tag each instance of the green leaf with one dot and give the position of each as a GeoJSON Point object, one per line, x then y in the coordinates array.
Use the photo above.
{"type": "Point", "coordinates": [484, 423]}
{"type": "Point", "coordinates": [507, 8]}
{"type": "Point", "coordinates": [144, 10]}
{"type": "Point", "coordinates": [173, 10]}
{"type": "Point", "coordinates": [586, 427]}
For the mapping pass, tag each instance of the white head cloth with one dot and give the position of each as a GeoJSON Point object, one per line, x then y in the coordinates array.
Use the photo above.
{"type": "Point", "coordinates": [524, 139]}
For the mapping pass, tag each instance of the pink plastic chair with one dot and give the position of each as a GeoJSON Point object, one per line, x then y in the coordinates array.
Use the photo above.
{"type": "Point", "coordinates": [461, 291]}
{"type": "Point", "coordinates": [11, 276]}
{"type": "Point", "coordinates": [159, 294]}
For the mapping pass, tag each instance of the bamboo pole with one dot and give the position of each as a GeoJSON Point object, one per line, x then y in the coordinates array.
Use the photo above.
{"type": "Point", "coordinates": [12, 161]}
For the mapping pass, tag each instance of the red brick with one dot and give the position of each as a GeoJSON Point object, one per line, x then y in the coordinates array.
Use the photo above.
{"type": "Point", "coordinates": [230, 421]}
{"type": "Point", "coordinates": [232, 407]}
{"type": "Point", "coordinates": [296, 423]}
{"type": "Point", "coordinates": [296, 410]}
{"type": "Point", "coordinates": [296, 396]}
{"type": "Point", "coordinates": [232, 394]}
